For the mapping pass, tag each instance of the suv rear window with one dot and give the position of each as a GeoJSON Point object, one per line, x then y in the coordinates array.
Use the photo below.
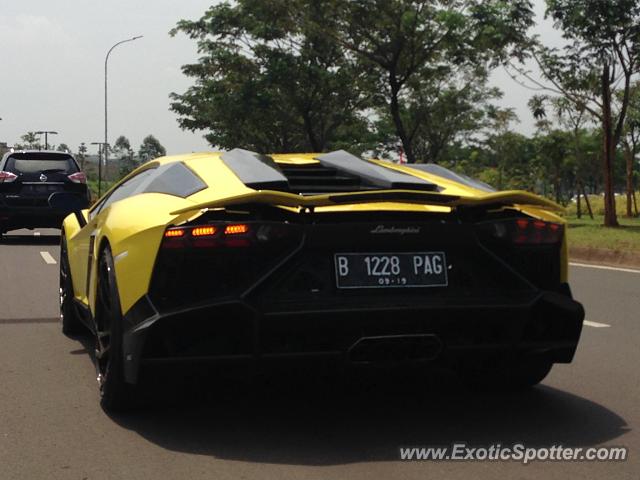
{"type": "Point", "coordinates": [40, 162]}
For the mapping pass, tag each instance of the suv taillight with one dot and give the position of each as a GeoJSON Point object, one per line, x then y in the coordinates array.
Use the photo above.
{"type": "Point", "coordinates": [523, 231]}
{"type": "Point", "coordinates": [78, 177]}
{"type": "Point", "coordinates": [7, 177]}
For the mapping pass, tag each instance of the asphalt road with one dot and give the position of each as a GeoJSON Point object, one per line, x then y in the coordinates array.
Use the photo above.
{"type": "Point", "coordinates": [51, 425]}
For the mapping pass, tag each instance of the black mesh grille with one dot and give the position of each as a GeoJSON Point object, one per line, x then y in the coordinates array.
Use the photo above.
{"type": "Point", "coordinates": [539, 264]}
{"type": "Point", "coordinates": [185, 277]}
{"type": "Point", "coordinates": [316, 178]}
{"type": "Point", "coordinates": [306, 280]}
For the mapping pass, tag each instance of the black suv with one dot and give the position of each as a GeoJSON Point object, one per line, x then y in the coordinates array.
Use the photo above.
{"type": "Point", "coordinates": [28, 179]}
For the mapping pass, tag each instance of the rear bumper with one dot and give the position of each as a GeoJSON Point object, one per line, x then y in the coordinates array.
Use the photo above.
{"type": "Point", "coordinates": [30, 217]}
{"type": "Point", "coordinates": [12, 217]}
{"type": "Point", "coordinates": [544, 325]}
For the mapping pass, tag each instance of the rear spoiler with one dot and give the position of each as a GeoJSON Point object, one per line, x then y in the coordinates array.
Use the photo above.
{"type": "Point", "coordinates": [271, 197]}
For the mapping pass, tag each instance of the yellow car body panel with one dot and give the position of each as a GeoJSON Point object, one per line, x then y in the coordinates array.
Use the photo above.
{"type": "Point", "coordinates": [134, 226]}
{"type": "Point", "coordinates": [373, 199]}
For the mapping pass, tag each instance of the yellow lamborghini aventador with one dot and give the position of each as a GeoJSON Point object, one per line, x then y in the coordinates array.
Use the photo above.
{"type": "Point", "coordinates": [248, 257]}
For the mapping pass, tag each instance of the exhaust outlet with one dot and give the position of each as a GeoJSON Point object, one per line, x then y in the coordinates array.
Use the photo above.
{"type": "Point", "coordinates": [395, 349]}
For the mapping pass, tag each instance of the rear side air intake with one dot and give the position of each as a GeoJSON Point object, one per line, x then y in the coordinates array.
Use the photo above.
{"type": "Point", "coordinates": [373, 174]}
{"type": "Point", "coordinates": [336, 172]}
{"type": "Point", "coordinates": [254, 170]}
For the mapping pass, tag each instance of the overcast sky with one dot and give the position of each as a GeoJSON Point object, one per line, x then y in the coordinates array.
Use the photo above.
{"type": "Point", "coordinates": [51, 70]}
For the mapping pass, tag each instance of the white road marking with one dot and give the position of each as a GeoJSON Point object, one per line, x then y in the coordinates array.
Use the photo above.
{"type": "Point", "coordinates": [48, 259]}
{"type": "Point", "coordinates": [589, 323]}
{"type": "Point", "coordinates": [604, 267]}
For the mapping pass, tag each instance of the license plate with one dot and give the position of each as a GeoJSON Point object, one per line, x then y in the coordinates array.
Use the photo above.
{"type": "Point", "coordinates": [391, 270]}
{"type": "Point", "coordinates": [40, 189]}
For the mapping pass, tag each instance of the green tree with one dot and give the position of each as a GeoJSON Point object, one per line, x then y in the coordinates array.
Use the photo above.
{"type": "Point", "coordinates": [150, 148]}
{"type": "Point", "coordinates": [126, 159]}
{"type": "Point", "coordinates": [443, 115]}
{"type": "Point", "coordinates": [82, 155]}
{"type": "Point", "coordinates": [503, 143]}
{"type": "Point", "coordinates": [413, 49]}
{"type": "Point", "coordinates": [268, 82]}
{"type": "Point", "coordinates": [601, 57]}
{"type": "Point", "coordinates": [30, 141]}
{"type": "Point", "coordinates": [572, 117]}
{"type": "Point", "coordinates": [631, 146]}
{"type": "Point", "coordinates": [63, 147]}
{"type": "Point", "coordinates": [511, 159]}
{"type": "Point", "coordinates": [553, 151]}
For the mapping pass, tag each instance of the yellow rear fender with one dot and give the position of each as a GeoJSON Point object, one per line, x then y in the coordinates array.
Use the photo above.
{"type": "Point", "coordinates": [70, 224]}
{"type": "Point", "coordinates": [133, 229]}
{"type": "Point", "coordinates": [71, 228]}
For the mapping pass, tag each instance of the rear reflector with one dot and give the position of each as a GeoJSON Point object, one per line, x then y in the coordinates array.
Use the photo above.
{"type": "Point", "coordinates": [78, 177]}
{"type": "Point", "coordinates": [7, 177]}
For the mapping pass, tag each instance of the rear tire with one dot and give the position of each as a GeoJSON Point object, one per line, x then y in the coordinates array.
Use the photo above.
{"type": "Point", "coordinates": [71, 324]}
{"type": "Point", "coordinates": [115, 393]}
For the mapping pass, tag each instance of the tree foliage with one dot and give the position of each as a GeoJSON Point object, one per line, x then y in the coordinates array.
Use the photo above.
{"type": "Point", "coordinates": [149, 149]}
{"type": "Point", "coordinates": [30, 140]}
{"type": "Point", "coordinates": [417, 49]}
{"type": "Point", "coordinates": [631, 147]}
{"type": "Point", "coordinates": [267, 83]}
{"type": "Point", "coordinates": [127, 161]}
{"type": "Point", "coordinates": [300, 75]}
{"type": "Point", "coordinates": [601, 57]}
{"type": "Point", "coordinates": [442, 115]}
{"type": "Point", "coordinates": [546, 163]}
{"type": "Point", "coordinates": [81, 156]}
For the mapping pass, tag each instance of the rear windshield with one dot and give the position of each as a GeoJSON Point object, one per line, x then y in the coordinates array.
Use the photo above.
{"type": "Point", "coordinates": [40, 162]}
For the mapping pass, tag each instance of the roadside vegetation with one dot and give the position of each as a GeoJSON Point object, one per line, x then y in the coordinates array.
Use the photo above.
{"type": "Point", "coordinates": [588, 233]}
{"type": "Point", "coordinates": [585, 233]}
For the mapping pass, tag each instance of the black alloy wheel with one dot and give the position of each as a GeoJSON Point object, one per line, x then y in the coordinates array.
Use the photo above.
{"type": "Point", "coordinates": [115, 393]}
{"type": "Point", "coordinates": [71, 324]}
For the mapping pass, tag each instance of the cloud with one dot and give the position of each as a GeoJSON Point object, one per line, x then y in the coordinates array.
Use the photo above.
{"type": "Point", "coordinates": [29, 31]}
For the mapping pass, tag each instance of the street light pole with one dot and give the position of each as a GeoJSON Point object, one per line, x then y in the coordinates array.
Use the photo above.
{"type": "Point", "coordinates": [46, 137]}
{"type": "Point", "coordinates": [106, 138]}
{"type": "Point", "coordinates": [100, 148]}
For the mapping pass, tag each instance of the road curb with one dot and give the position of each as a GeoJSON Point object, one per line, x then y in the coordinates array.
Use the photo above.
{"type": "Point", "coordinates": [602, 256]}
